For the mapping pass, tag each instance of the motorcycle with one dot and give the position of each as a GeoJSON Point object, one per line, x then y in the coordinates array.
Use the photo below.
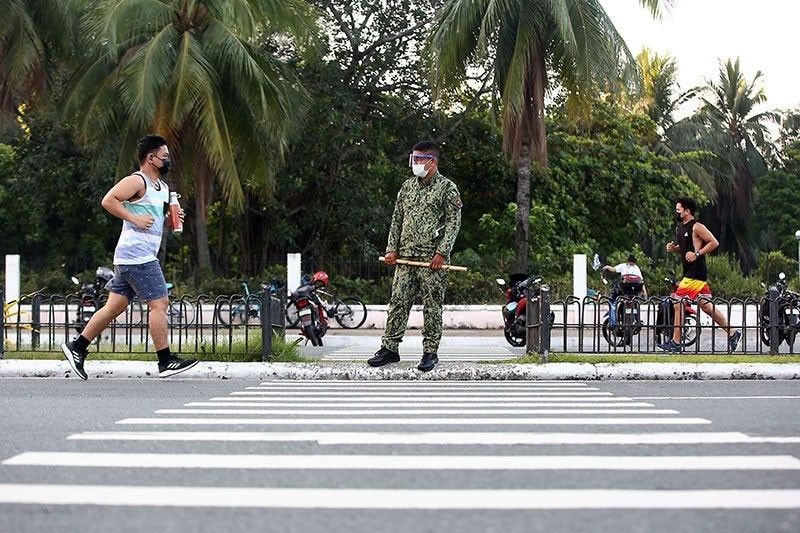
{"type": "Point", "coordinates": [788, 313]}
{"type": "Point", "coordinates": [514, 322]}
{"type": "Point", "coordinates": [665, 317]}
{"type": "Point", "coordinates": [311, 313]}
{"type": "Point", "coordinates": [89, 296]}
{"type": "Point", "coordinates": [623, 319]}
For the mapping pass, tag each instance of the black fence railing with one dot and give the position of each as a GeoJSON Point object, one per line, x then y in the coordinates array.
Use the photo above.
{"type": "Point", "coordinates": [232, 325]}
{"type": "Point", "coordinates": [768, 325]}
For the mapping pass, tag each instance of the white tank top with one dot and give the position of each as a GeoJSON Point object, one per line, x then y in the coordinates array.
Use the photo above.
{"type": "Point", "coordinates": [138, 246]}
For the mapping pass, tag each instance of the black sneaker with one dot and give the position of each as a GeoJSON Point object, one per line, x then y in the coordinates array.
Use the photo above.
{"type": "Point", "coordinates": [429, 360]}
{"type": "Point", "coordinates": [174, 365]}
{"type": "Point", "coordinates": [384, 356]}
{"type": "Point", "coordinates": [733, 341]}
{"type": "Point", "coordinates": [669, 346]}
{"type": "Point", "coordinates": [75, 358]}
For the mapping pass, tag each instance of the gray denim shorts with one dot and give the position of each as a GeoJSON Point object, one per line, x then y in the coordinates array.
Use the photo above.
{"type": "Point", "coordinates": [145, 281]}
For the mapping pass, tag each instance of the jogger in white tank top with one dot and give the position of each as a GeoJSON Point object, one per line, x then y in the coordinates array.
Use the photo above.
{"type": "Point", "coordinates": [140, 200]}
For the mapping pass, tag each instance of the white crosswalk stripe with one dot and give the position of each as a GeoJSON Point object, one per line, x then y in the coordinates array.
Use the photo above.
{"type": "Point", "coordinates": [351, 421]}
{"type": "Point", "coordinates": [439, 438]}
{"type": "Point", "coordinates": [312, 498]}
{"type": "Point", "coordinates": [407, 462]}
{"type": "Point", "coordinates": [396, 421]}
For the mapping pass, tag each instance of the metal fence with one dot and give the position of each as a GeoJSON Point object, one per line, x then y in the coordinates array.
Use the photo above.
{"type": "Point", "coordinates": [585, 325]}
{"type": "Point", "coordinates": [224, 325]}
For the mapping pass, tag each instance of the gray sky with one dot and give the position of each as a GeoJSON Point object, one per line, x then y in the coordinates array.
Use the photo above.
{"type": "Point", "coordinates": [700, 32]}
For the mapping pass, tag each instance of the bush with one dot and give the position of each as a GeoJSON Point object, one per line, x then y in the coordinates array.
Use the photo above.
{"type": "Point", "coordinates": [773, 263]}
{"type": "Point", "coordinates": [727, 281]}
{"type": "Point", "coordinates": [54, 281]}
{"type": "Point", "coordinates": [283, 351]}
{"type": "Point", "coordinates": [220, 286]}
{"type": "Point", "coordinates": [471, 287]}
{"type": "Point", "coordinates": [370, 291]}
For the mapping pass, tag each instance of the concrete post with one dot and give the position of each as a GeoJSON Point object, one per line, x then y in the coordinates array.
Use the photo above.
{"type": "Point", "coordinates": [293, 272]}
{"type": "Point", "coordinates": [12, 278]}
{"type": "Point", "coordinates": [579, 276]}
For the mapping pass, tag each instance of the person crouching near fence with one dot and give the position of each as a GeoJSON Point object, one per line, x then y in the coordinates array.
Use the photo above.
{"type": "Point", "coordinates": [693, 241]}
{"type": "Point", "coordinates": [141, 201]}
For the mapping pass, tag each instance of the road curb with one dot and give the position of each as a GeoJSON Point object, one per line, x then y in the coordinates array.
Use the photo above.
{"type": "Point", "coordinates": [20, 368]}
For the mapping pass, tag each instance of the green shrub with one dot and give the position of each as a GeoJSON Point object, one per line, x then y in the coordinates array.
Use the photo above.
{"type": "Point", "coordinates": [53, 281]}
{"type": "Point", "coordinates": [371, 292]}
{"type": "Point", "coordinates": [771, 264]}
{"type": "Point", "coordinates": [471, 287]}
{"type": "Point", "coordinates": [727, 281]}
{"type": "Point", "coordinates": [220, 286]}
{"type": "Point", "coordinates": [283, 351]}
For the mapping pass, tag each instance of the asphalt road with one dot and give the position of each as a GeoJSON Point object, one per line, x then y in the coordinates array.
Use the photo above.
{"type": "Point", "coordinates": [129, 455]}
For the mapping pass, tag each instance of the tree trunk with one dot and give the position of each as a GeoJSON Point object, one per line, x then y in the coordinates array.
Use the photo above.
{"type": "Point", "coordinates": [222, 260]}
{"type": "Point", "coordinates": [522, 233]}
{"type": "Point", "coordinates": [525, 139]}
{"type": "Point", "coordinates": [202, 200]}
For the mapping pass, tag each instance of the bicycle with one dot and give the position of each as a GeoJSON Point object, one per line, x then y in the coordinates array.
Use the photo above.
{"type": "Point", "coordinates": [350, 312]}
{"type": "Point", "coordinates": [240, 310]}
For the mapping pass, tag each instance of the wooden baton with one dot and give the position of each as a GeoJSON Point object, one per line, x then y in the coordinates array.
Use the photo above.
{"type": "Point", "coordinates": [407, 262]}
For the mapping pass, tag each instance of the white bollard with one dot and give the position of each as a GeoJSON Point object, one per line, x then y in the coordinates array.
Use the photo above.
{"type": "Point", "coordinates": [12, 278]}
{"type": "Point", "coordinates": [293, 272]}
{"type": "Point", "coordinates": [579, 276]}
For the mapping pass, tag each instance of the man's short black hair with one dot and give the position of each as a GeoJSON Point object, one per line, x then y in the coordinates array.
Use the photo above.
{"type": "Point", "coordinates": [688, 204]}
{"type": "Point", "coordinates": [149, 143]}
{"type": "Point", "coordinates": [631, 258]}
{"type": "Point", "coordinates": [430, 147]}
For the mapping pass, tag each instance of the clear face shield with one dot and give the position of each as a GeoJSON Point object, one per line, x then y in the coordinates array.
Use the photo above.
{"type": "Point", "coordinates": [419, 158]}
{"type": "Point", "coordinates": [417, 162]}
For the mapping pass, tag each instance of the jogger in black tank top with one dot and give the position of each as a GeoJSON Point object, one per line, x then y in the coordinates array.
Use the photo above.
{"type": "Point", "coordinates": [693, 241]}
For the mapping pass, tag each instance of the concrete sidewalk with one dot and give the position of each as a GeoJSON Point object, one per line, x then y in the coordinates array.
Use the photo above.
{"type": "Point", "coordinates": [456, 345]}
{"type": "Point", "coordinates": [405, 370]}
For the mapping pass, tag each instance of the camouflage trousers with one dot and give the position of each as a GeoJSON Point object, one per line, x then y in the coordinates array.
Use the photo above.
{"type": "Point", "coordinates": [410, 282]}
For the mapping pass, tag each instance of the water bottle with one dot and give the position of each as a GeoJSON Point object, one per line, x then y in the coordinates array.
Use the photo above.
{"type": "Point", "coordinates": [174, 212]}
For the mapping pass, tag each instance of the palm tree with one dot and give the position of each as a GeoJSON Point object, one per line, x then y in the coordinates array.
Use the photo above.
{"type": "Point", "coordinates": [660, 98]}
{"type": "Point", "coordinates": [729, 127]}
{"type": "Point", "coordinates": [198, 73]}
{"type": "Point", "coordinates": [525, 41]}
{"type": "Point", "coordinates": [33, 34]}
{"type": "Point", "coordinates": [658, 86]}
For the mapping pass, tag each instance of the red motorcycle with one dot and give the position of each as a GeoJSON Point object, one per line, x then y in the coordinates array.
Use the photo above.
{"type": "Point", "coordinates": [310, 311]}
{"type": "Point", "coordinates": [515, 329]}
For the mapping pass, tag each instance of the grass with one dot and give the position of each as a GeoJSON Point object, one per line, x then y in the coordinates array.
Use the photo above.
{"type": "Point", "coordinates": [283, 351]}
{"type": "Point", "coordinates": [653, 358]}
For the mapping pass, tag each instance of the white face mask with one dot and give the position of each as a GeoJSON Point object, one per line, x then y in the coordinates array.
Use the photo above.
{"type": "Point", "coordinates": [419, 170]}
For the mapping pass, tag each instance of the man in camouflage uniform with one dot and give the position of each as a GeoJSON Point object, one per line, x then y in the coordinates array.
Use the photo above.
{"type": "Point", "coordinates": [425, 223]}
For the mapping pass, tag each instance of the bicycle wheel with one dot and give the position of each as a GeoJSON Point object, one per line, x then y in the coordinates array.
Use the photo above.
{"type": "Point", "coordinates": [613, 334]}
{"type": "Point", "coordinates": [180, 313]}
{"type": "Point", "coordinates": [233, 313]}
{"type": "Point", "coordinates": [689, 334]}
{"type": "Point", "coordinates": [351, 313]}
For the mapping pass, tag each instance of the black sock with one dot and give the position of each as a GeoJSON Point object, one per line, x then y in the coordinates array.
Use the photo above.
{"type": "Point", "coordinates": [81, 343]}
{"type": "Point", "coordinates": [164, 355]}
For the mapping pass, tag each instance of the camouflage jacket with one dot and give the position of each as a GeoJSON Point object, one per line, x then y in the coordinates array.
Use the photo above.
{"type": "Point", "coordinates": [426, 219]}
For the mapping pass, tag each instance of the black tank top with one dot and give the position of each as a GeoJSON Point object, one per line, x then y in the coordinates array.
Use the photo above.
{"type": "Point", "coordinates": [684, 238]}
